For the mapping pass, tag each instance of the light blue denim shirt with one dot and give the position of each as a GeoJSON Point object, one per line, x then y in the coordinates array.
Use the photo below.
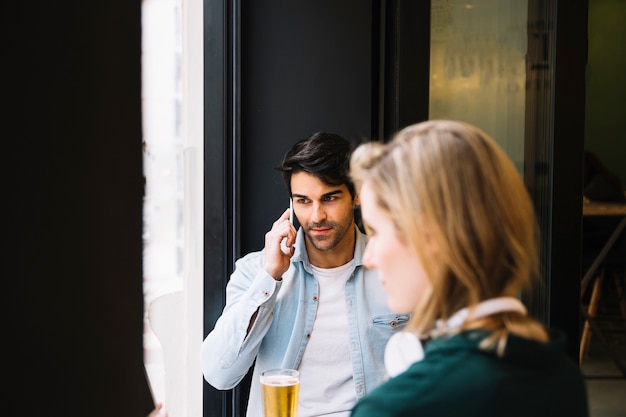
{"type": "Point", "coordinates": [286, 312]}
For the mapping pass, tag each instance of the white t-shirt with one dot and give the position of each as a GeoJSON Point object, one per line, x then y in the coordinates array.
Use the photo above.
{"type": "Point", "coordinates": [326, 382]}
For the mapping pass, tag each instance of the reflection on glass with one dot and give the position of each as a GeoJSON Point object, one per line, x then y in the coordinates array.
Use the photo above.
{"type": "Point", "coordinates": [478, 69]}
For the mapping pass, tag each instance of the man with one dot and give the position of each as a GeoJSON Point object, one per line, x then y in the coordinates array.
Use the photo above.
{"type": "Point", "coordinates": [310, 305]}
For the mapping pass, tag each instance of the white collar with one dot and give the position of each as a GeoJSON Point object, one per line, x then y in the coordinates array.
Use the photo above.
{"type": "Point", "coordinates": [405, 348]}
{"type": "Point", "coordinates": [482, 309]}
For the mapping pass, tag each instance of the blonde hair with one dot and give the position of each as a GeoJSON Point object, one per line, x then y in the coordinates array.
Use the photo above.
{"type": "Point", "coordinates": [448, 185]}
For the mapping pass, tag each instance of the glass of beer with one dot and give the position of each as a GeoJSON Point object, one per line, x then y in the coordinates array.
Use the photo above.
{"type": "Point", "coordinates": [280, 389]}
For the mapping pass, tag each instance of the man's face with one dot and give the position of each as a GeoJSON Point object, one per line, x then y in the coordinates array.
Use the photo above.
{"type": "Point", "coordinates": [325, 212]}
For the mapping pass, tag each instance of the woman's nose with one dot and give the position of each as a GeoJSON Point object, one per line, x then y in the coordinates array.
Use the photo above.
{"type": "Point", "coordinates": [368, 259]}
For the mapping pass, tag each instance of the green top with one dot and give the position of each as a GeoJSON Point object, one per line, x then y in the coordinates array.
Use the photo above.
{"type": "Point", "coordinates": [456, 378]}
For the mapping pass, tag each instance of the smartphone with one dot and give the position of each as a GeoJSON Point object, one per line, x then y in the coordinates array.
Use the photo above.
{"type": "Point", "coordinates": [283, 244]}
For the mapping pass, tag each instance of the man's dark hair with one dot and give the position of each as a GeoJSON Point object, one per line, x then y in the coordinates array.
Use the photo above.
{"type": "Point", "coordinates": [324, 155]}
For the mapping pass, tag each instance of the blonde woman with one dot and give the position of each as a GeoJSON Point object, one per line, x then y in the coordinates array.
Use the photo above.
{"type": "Point", "coordinates": [453, 236]}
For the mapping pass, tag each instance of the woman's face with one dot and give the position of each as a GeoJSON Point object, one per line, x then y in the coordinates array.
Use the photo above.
{"type": "Point", "coordinates": [399, 269]}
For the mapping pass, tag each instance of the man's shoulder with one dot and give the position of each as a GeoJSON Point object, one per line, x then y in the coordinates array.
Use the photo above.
{"type": "Point", "coordinates": [359, 247]}
{"type": "Point", "coordinates": [251, 258]}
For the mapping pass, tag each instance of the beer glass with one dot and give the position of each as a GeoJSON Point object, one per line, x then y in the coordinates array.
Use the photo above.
{"type": "Point", "coordinates": [280, 389]}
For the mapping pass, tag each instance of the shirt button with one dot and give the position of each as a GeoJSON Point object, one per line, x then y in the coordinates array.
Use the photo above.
{"type": "Point", "coordinates": [393, 323]}
{"type": "Point", "coordinates": [315, 298]}
{"type": "Point", "coordinates": [266, 294]}
{"type": "Point", "coordinates": [308, 335]}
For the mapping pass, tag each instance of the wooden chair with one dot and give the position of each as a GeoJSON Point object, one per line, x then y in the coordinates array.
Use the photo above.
{"type": "Point", "coordinates": [607, 285]}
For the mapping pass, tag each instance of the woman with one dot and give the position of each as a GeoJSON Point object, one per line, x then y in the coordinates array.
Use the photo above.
{"type": "Point", "coordinates": [454, 238]}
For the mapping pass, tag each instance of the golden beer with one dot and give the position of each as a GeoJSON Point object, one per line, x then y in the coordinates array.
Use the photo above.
{"type": "Point", "coordinates": [280, 389]}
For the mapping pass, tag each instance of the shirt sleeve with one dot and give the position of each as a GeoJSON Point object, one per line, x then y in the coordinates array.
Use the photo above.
{"type": "Point", "coordinates": [229, 349]}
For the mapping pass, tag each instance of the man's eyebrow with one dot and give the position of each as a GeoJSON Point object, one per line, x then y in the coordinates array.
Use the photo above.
{"type": "Point", "coordinates": [325, 195]}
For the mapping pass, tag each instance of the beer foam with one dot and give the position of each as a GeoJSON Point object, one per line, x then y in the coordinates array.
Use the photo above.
{"type": "Point", "coordinates": [279, 380]}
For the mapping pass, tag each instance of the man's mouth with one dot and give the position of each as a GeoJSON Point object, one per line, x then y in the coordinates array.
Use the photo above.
{"type": "Point", "coordinates": [320, 231]}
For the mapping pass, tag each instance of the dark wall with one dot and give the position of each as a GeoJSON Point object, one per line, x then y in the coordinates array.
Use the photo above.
{"type": "Point", "coordinates": [305, 67]}
{"type": "Point", "coordinates": [72, 122]}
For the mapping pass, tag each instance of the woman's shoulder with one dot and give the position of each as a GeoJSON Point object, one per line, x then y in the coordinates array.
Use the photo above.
{"type": "Point", "coordinates": [396, 397]}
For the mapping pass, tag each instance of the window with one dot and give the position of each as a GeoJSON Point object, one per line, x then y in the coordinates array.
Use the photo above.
{"type": "Point", "coordinates": [163, 233]}
{"type": "Point", "coordinates": [172, 102]}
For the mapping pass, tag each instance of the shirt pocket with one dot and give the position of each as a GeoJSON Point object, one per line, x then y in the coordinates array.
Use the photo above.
{"type": "Point", "coordinates": [390, 322]}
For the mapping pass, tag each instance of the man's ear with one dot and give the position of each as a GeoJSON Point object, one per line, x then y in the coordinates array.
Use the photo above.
{"type": "Point", "coordinates": [356, 201]}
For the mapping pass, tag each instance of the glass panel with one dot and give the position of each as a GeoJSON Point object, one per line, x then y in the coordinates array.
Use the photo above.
{"type": "Point", "coordinates": [163, 233]}
{"type": "Point", "coordinates": [490, 65]}
{"type": "Point", "coordinates": [478, 69]}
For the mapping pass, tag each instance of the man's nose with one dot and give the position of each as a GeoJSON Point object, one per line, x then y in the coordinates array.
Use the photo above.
{"type": "Point", "coordinates": [318, 214]}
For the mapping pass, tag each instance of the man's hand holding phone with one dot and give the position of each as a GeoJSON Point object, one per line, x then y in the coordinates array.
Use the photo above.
{"type": "Point", "coordinates": [279, 244]}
